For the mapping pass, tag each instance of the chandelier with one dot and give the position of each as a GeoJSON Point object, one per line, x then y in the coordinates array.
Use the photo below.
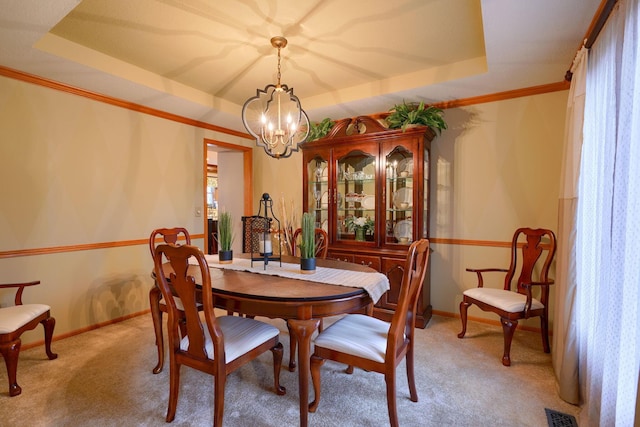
{"type": "Point", "coordinates": [274, 116]}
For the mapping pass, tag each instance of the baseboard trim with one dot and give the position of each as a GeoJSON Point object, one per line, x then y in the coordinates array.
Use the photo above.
{"type": "Point", "coordinates": [487, 321]}
{"type": "Point", "coordinates": [87, 329]}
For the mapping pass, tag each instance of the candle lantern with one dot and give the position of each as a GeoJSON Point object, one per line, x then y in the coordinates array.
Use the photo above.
{"type": "Point", "coordinates": [262, 226]}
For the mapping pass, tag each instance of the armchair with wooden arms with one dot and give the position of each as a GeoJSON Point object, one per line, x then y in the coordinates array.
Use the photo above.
{"type": "Point", "coordinates": [532, 250]}
{"type": "Point", "coordinates": [16, 319]}
{"type": "Point", "coordinates": [373, 344]}
{"type": "Point", "coordinates": [216, 345]}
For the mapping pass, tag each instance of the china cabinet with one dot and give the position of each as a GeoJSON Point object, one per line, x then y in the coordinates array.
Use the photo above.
{"type": "Point", "coordinates": [368, 187]}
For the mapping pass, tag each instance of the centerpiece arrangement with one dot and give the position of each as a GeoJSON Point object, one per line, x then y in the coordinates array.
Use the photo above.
{"type": "Point", "coordinates": [360, 225]}
{"type": "Point", "coordinates": [308, 244]}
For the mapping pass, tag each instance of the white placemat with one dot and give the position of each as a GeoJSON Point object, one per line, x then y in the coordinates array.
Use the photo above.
{"type": "Point", "coordinates": [376, 284]}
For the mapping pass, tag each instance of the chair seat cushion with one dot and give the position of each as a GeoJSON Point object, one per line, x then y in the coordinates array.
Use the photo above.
{"type": "Point", "coordinates": [358, 335]}
{"type": "Point", "coordinates": [241, 335]}
{"type": "Point", "coordinates": [512, 302]}
{"type": "Point", "coordinates": [14, 317]}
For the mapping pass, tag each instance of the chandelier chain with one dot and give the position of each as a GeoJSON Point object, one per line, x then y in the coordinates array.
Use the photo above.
{"type": "Point", "coordinates": [279, 73]}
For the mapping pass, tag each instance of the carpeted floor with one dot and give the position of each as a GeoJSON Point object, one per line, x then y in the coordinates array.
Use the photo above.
{"type": "Point", "coordinates": [103, 378]}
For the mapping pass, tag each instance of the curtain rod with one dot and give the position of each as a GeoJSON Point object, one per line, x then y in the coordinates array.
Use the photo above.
{"type": "Point", "coordinates": [599, 19]}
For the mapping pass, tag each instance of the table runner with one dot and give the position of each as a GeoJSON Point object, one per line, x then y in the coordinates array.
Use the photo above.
{"type": "Point", "coordinates": [376, 284]}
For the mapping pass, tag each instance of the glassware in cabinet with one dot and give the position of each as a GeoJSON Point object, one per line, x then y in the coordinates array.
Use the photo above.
{"type": "Point", "coordinates": [318, 191]}
{"type": "Point", "coordinates": [356, 185]}
{"type": "Point", "coordinates": [399, 191]}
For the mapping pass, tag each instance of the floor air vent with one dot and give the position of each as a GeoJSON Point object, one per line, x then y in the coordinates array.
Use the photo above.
{"type": "Point", "coordinates": [559, 419]}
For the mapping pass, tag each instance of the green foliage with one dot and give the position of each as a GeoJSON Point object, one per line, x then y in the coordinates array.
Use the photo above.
{"type": "Point", "coordinates": [355, 223]}
{"type": "Point", "coordinates": [320, 130]}
{"type": "Point", "coordinates": [308, 241]}
{"type": "Point", "coordinates": [225, 231]}
{"type": "Point", "coordinates": [403, 115]}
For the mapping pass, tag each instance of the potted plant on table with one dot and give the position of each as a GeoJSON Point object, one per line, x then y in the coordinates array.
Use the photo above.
{"type": "Point", "coordinates": [405, 115]}
{"type": "Point", "coordinates": [308, 244]}
{"type": "Point", "coordinates": [225, 238]}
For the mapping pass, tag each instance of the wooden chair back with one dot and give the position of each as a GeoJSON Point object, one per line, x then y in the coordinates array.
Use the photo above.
{"type": "Point", "coordinates": [169, 236]}
{"type": "Point", "coordinates": [403, 321]}
{"type": "Point", "coordinates": [183, 284]}
{"type": "Point", "coordinates": [532, 251]}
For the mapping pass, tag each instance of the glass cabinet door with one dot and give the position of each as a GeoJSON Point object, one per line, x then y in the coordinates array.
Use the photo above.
{"type": "Point", "coordinates": [356, 197]}
{"type": "Point", "coordinates": [319, 191]}
{"type": "Point", "coordinates": [399, 171]}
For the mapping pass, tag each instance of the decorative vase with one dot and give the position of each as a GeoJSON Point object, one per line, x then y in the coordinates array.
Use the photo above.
{"type": "Point", "coordinates": [225, 257]}
{"type": "Point", "coordinates": [360, 234]}
{"type": "Point", "coordinates": [307, 265]}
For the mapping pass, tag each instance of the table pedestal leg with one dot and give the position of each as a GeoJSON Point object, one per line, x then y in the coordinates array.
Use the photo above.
{"type": "Point", "coordinates": [303, 330]}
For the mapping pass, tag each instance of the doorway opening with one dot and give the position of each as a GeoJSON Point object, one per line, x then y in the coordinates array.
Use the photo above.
{"type": "Point", "coordinates": [233, 192]}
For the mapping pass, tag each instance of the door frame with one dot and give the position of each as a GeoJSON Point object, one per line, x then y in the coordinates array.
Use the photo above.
{"type": "Point", "coordinates": [247, 160]}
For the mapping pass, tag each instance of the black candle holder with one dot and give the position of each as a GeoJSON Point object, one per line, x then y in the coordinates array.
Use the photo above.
{"type": "Point", "coordinates": [261, 226]}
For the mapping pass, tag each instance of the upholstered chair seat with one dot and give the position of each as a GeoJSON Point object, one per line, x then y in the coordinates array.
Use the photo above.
{"type": "Point", "coordinates": [240, 336]}
{"type": "Point", "coordinates": [14, 317]}
{"type": "Point", "coordinates": [509, 301]}
{"type": "Point", "coordinates": [357, 335]}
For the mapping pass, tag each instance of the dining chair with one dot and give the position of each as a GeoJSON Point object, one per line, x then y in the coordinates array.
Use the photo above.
{"type": "Point", "coordinates": [214, 345]}
{"type": "Point", "coordinates": [157, 304]}
{"type": "Point", "coordinates": [532, 251]}
{"type": "Point", "coordinates": [373, 344]}
{"type": "Point", "coordinates": [322, 249]}
{"type": "Point", "coordinates": [19, 318]}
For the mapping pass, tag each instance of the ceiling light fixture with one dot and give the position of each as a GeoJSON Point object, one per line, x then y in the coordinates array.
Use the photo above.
{"type": "Point", "coordinates": [274, 116]}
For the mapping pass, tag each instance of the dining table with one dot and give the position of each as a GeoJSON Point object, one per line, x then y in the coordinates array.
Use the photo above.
{"type": "Point", "coordinates": [279, 290]}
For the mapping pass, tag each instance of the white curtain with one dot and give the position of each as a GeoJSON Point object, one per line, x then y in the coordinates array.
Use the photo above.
{"type": "Point", "coordinates": [608, 226]}
{"type": "Point", "coordinates": [565, 345]}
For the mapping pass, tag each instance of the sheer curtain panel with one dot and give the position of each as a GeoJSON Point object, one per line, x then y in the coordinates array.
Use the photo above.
{"type": "Point", "coordinates": [564, 339]}
{"type": "Point", "coordinates": [608, 227]}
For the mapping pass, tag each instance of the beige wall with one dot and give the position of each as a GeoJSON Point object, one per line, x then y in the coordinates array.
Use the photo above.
{"type": "Point", "coordinates": [496, 168]}
{"type": "Point", "coordinates": [76, 171]}
{"type": "Point", "coordinates": [281, 178]}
